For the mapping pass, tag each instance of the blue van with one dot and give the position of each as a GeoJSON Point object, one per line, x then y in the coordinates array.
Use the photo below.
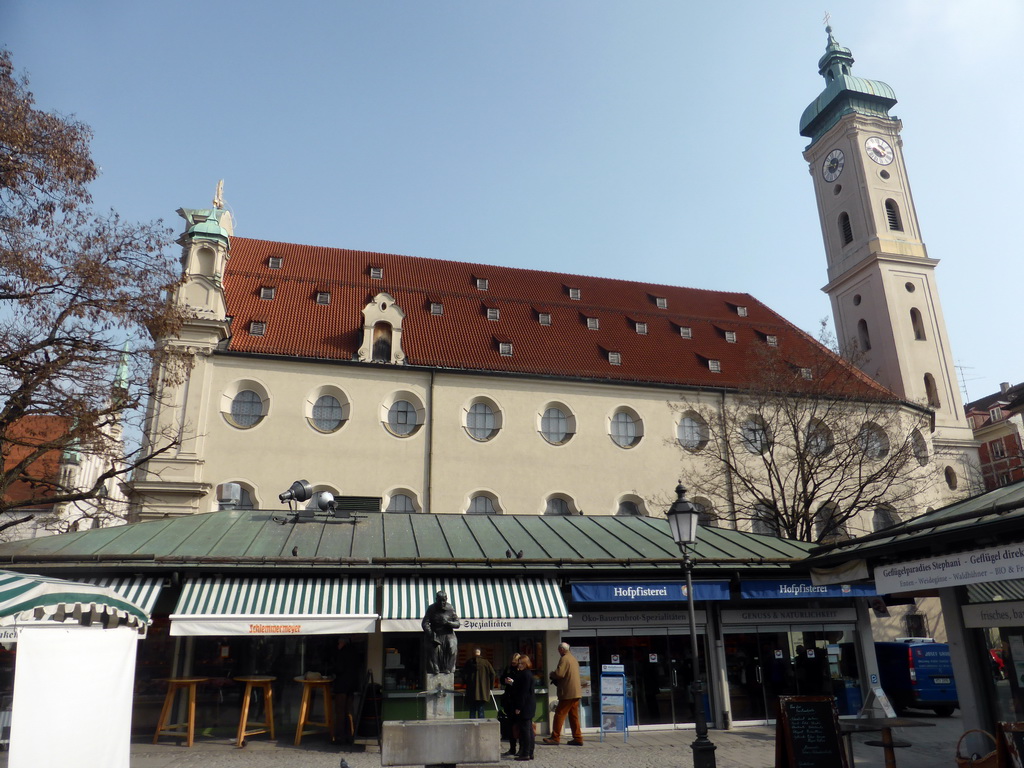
{"type": "Point", "coordinates": [916, 673]}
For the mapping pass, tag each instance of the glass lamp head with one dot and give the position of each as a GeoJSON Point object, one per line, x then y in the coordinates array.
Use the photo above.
{"type": "Point", "coordinates": [682, 519]}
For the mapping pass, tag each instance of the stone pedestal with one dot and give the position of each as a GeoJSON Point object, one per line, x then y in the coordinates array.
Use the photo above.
{"type": "Point", "coordinates": [439, 693]}
{"type": "Point", "coordinates": [420, 742]}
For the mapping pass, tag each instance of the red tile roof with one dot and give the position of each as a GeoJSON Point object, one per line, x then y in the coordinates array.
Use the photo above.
{"type": "Point", "coordinates": [462, 338]}
{"type": "Point", "coordinates": [22, 437]}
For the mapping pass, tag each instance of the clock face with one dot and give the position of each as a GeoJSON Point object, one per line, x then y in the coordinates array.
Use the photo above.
{"type": "Point", "coordinates": [833, 165]}
{"type": "Point", "coordinates": [879, 150]}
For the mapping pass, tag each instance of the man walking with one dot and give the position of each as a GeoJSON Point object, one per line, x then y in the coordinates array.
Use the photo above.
{"type": "Point", "coordinates": [478, 675]}
{"type": "Point", "coordinates": [566, 678]}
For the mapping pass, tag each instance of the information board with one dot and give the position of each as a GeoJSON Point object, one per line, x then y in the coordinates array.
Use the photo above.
{"type": "Point", "coordinates": [807, 733]}
{"type": "Point", "coordinates": [613, 700]}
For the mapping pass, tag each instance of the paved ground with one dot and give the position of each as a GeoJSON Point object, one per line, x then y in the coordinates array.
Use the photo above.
{"type": "Point", "coordinates": [934, 747]}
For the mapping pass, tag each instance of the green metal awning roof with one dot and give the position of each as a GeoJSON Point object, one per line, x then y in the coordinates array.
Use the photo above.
{"type": "Point", "coordinates": [251, 540]}
{"type": "Point", "coordinates": [315, 605]}
{"type": "Point", "coordinates": [512, 602]}
{"type": "Point", "coordinates": [996, 515]}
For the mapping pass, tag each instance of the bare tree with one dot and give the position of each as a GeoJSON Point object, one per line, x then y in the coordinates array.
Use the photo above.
{"type": "Point", "coordinates": [74, 288]}
{"type": "Point", "coordinates": [808, 449]}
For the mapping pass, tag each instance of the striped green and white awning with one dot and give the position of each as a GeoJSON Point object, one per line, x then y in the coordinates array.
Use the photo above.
{"type": "Point", "coordinates": [514, 602]}
{"type": "Point", "coordinates": [139, 590]}
{"type": "Point", "coordinates": [296, 605]}
{"type": "Point", "coordinates": [26, 598]}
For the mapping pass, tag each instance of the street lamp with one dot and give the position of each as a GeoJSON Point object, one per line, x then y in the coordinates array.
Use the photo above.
{"type": "Point", "coordinates": [682, 519]}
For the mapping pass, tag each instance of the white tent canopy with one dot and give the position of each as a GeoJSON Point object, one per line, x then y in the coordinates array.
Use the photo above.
{"type": "Point", "coordinates": [75, 667]}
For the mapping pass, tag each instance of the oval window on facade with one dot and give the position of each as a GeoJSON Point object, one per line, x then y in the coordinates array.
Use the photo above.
{"type": "Point", "coordinates": [402, 418]}
{"type": "Point", "coordinates": [692, 432]}
{"type": "Point", "coordinates": [556, 425]}
{"type": "Point", "coordinates": [246, 409]}
{"type": "Point", "coordinates": [755, 436]}
{"type": "Point", "coordinates": [328, 414]}
{"type": "Point", "coordinates": [483, 420]}
{"type": "Point", "coordinates": [625, 428]}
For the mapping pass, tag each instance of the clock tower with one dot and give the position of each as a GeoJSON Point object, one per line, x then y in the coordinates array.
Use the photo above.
{"type": "Point", "coordinates": [885, 301]}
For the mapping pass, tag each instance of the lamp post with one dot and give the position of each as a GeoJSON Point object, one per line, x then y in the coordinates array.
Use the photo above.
{"type": "Point", "coordinates": [682, 519]}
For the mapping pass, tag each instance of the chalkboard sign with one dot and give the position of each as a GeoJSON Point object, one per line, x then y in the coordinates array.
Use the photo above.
{"type": "Point", "coordinates": [1010, 747]}
{"type": "Point", "coordinates": [807, 733]}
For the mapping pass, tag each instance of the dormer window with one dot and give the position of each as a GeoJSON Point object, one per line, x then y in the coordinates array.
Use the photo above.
{"type": "Point", "coordinates": [593, 323]}
{"type": "Point", "coordinates": [267, 292]}
{"type": "Point", "coordinates": [482, 284]}
{"type": "Point", "coordinates": [376, 273]}
{"type": "Point", "coordinates": [686, 331]}
{"type": "Point", "coordinates": [323, 297]}
{"type": "Point", "coordinates": [544, 318]}
{"type": "Point", "coordinates": [771, 341]}
{"type": "Point", "coordinates": [505, 348]}
{"type": "Point", "coordinates": [995, 414]}
{"type": "Point", "coordinates": [275, 262]}
{"type": "Point", "coordinates": [641, 328]}
{"type": "Point", "coordinates": [806, 373]}
{"type": "Point", "coordinates": [257, 328]}
{"type": "Point", "coordinates": [615, 358]}
{"type": "Point", "coordinates": [574, 294]}
{"type": "Point", "coordinates": [436, 308]}
{"type": "Point", "coordinates": [741, 311]}
{"type": "Point", "coordinates": [661, 302]}
{"type": "Point", "coordinates": [493, 313]}
{"type": "Point", "coordinates": [730, 336]}
{"type": "Point", "coordinates": [715, 366]}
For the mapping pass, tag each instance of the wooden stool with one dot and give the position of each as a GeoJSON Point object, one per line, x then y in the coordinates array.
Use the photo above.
{"type": "Point", "coordinates": [306, 709]}
{"type": "Point", "coordinates": [263, 683]}
{"type": "Point", "coordinates": [175, 684]}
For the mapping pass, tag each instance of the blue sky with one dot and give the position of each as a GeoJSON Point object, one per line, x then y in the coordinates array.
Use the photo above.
{"type": "Point", "coordinates": [651, 140]}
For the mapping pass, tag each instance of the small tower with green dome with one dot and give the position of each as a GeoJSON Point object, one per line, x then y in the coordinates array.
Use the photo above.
{"type": "Point", "coordinates": [881, 281]}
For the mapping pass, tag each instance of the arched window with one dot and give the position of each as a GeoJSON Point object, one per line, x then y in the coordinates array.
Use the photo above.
{"type": "Point", "coordinates": [917, 323]}
{"type": "Point", "coordinates": [863, 337]}
{"type": "Point", "coordinates": [845, 228]}
{"type": "Point", "coordinates": [628, 509]}
{"type": "Point", "coordinates": [705, 512]}
{"type": "Point", "coordinates": [481, 504]}
{"type": "Point", "coordinates": [951, 479]}
{"type": "Point", "coordinates": [382, 343]}
{"type": "Point", "coordinates": [557, 506]}
{"type": "Point", "coordinates": [884, 517]}
{"type": "Point", "coordinates": [892, 214]}
{"type": "Point", "coordinates": [764, 521]}
{"type": "Point", "coordinates": [401, 502]}
{"type": "Point", "coordinates": [931, 391]}
{"type": "Point", "coordinates": [828, 524]}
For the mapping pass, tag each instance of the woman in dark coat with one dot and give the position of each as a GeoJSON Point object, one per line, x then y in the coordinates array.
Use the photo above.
{"type": "Point", "coordinates": [524, 705]}
{"type": "Point", "coordinates": [507, 707]}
